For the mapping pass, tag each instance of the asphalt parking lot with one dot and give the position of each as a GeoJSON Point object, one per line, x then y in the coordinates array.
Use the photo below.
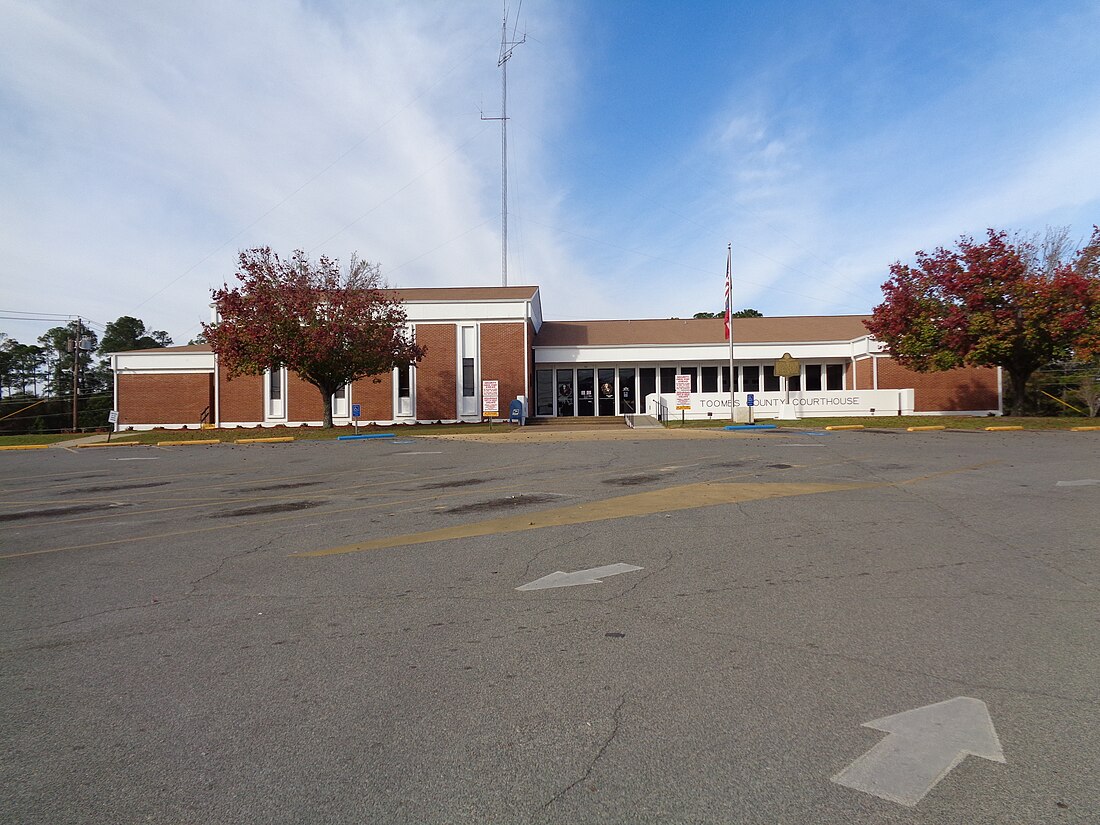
{"type": "Point", "coordinates": [365, 632]}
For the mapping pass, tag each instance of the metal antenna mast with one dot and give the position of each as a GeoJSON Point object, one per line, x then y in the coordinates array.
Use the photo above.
{"type": "Point", "coordinates": [507, 44]}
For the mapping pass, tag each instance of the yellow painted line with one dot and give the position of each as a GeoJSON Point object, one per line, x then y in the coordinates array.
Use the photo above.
{"type": "Point", "coordinates": [1083, 429]}
{"type": "Point", "coordinates": [198, 441]}
{"type": "Point", "coordinates": [25, 447]}
{"type": "Point", "coordinates": [845, 427]}
{"type": "Point", "coordinates": [925, 429]}
{"type": "Point", "coordinates": [685, 497]}
{"type": "Point", "coordinates": [1002, 429]}
{"type": "Point", "coordinates": [106, 444]}
{"type": "Point", "coordinates": [281, 440]}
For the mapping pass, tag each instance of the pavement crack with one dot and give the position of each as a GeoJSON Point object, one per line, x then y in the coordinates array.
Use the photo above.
{"type": "Point", "coordinates": [153, 603]}
{"type": "Point", "coordinates": [615, 719]}
{"type": "Point", "coordinates": [224, 561]}
{"type": "Point", "coordinates": [652, 571]}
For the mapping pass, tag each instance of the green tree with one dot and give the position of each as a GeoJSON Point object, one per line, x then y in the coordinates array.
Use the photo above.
{"type": "Point", "coordinates": [59, 344]}
{"type": "Point", "coordinates": [330, 327]}
{"type": "Point", "coordinates": [1013, 304]}
{"type": "Point", "coordinates": [129, 333]}
{"type": "Point", "coordinates": [741, 313]}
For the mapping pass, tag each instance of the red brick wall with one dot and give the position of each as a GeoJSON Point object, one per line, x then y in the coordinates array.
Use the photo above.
{"type": "Point", "coordinates": [241, 399]}
{"type": "Point", "coordinates": [303, 400]}
{"type": "Point", "coordinates": [164, 399]}
{"type": "Point", "coordinates": [970, 388]}
{"type": "Point", "coordinates": [436, 378]}
{"type": "Point", "coordinates": [503, 358]}
{"type": "Point", "coordinates": [376, 399]}
{"type": "Point", "coordinates": [865, 375]}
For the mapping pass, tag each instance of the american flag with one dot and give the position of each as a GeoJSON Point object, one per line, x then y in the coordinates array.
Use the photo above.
{"type": "Point", "coordinates": [729, 288]}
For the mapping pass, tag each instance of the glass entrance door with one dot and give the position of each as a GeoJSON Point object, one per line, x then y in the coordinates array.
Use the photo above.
{"type": "Point", "coordinates": [586, 392]}
{"type": "Point", "coordinates": [565, 393]}
{"type": "Point", "coordinates": [628, 404]}
{"type": "Point", "coordinates": [606, 391]}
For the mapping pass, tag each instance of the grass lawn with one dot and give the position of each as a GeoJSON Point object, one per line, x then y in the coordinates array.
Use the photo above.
{"type": "Point", "coordinates": [303, 433]}
{"type": "Point", "coordinates": [20, 440]}
{"type": "Point", "coordinates": [893, 422]}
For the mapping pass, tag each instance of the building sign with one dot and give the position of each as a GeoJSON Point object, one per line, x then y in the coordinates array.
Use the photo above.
{"type": "Point", "coordinates": [787, 367]}
{"type": "Point", "coordinates": [805, 404]}
{"type": "Point", "coordinates": [683, 392]}
{"type": "Point", "coordinates": [490, 399]}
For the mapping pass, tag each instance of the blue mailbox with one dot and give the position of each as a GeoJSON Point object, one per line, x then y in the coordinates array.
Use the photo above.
{"type": "Point", "coordinates": [516, 412]}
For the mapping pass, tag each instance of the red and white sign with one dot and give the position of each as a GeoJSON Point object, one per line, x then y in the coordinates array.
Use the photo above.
{"type": "Point", "coordinates": [683, 392]}
{"type": "Point", "coordinates": [490, 399]}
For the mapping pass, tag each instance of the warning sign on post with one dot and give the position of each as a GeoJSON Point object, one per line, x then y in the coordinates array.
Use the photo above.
{"type": "Point", "coordinates": [683, 392]}
{"type": "Point", "coordinates": [490, 399]}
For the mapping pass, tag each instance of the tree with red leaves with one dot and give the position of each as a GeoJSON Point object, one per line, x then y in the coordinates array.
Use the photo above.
{"type": "Point", "coordinates": [330, 327]}
{"type": "Point", "coordinates": [1002, 303]}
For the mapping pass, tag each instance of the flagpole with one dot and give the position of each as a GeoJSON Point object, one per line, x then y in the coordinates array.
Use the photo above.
{"type": "Point", "coordinates": [729, 322]}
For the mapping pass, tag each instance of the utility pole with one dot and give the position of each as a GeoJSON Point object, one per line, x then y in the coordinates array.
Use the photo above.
{"type": "Point", "coordinates": [76, 366]}
{"type": "Point", "coordinates": [506, 46]}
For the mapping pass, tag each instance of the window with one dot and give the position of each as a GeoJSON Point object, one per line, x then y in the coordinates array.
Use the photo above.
{"type": "Point", "coordinates": [544, 392]}
{"type": "Point", "coordinates": [794, 383]}
{"type": "Point", "coordinates": [404, 382]}
{"type": "Point", "coordinates": [752, 379]}
{"type": "Point", "coordinates": [771, 380]}
{"type": "Point", "coordinates": [834, 376]}
{"type": "Point", "coordinates": [726, 379]}
{"type": "Point", "coordinates": [467, 377]}
{"type": "Point", "coordinates": [710, 379]}
{"type": "Point", "coordinates": [275, 390]}
{"type": "Point", "coordinates": [668, 379]}
{"type": "Point", "coordinates": [813, 377]}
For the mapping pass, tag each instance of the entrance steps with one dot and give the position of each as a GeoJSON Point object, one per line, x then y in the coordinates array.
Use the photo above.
{"type": "Point", "coordinates": [581, 422]}
{"type": "Point", "coordinates": [642, 422]}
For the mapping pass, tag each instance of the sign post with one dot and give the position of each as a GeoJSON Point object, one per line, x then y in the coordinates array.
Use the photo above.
{"type": "Point", "coordinates": [112, 419]}
{"type": "Point", "coordinates": [356, 411]}
{"type": "Point", "coordinates": [683, 395]}
{"type": "Point", "coordinates": [490, 400]}
{"type": "Point", "coordinates": [787, 367]}
{"type": "Point", "coordinates": [750, 402]}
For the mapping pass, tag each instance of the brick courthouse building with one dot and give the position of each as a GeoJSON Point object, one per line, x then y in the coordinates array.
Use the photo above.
{"type": "Point", "coordinates": [561, 368]}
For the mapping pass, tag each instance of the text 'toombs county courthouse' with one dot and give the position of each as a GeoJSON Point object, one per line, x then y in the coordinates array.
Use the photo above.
{"type": "Point", "coordinates": [562, 369]}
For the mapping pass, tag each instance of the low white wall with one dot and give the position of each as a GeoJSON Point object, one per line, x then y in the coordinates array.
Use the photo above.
{"type": "Point", "coordinates": [827, 403]}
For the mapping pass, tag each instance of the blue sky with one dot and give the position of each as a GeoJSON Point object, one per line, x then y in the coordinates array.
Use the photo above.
{"type": "Point", "coordinates": [142, 145]}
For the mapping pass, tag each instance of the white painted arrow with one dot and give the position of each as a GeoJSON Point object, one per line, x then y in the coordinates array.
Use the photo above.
{"type": "Point", "coordinates": [923, 746]}
{"type": "Point", "coordinates": [589, 576]}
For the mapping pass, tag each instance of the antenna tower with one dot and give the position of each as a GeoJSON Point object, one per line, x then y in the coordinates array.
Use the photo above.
{"type": "Point", "coordinates": [507, 44]}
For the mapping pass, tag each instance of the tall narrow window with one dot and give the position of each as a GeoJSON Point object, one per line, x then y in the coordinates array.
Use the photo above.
{"type": "Point", "coordinates": [834, 376]}
{"type": "Point", "coordinates": [404, 382]}
{"type": "Point", "coordinates": [276, 393]}
{"type": "Point", "coordinates": [467, 377]}
{"type": "Point", "coordinates": [813, 377]}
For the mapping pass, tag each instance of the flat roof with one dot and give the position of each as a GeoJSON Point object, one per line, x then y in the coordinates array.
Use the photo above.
{"type": "Point", "coordinates": [184, 348]}
{"type": "Point", "coordinates": [786, 329]}
{"type": "Point", "coordinates": [465, 293]}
